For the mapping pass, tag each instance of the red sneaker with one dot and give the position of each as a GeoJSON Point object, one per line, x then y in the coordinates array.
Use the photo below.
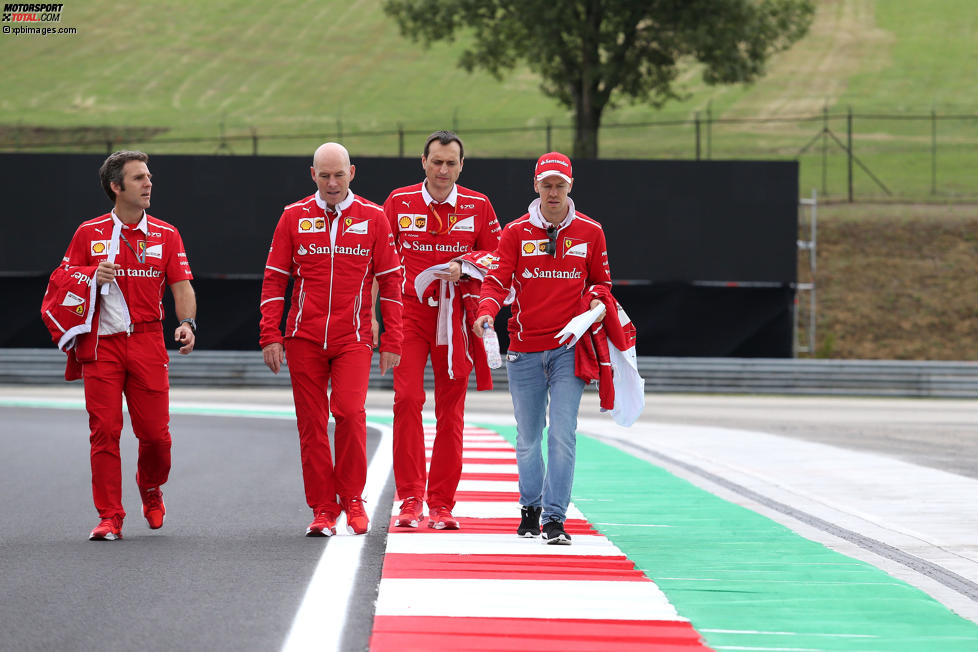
{"type": "Point", "coordinates": [323, 525]}
{"type": "Point", "coordinates": [108, 529]}
{"type": "Point", "coordinates": [412, 513]}
{"type": "Point", "coordinates": [440, 518]}
{"type": "Point", "coordinates": [356, 518]}
{"type": "Point", "coordinates": [153, 508]}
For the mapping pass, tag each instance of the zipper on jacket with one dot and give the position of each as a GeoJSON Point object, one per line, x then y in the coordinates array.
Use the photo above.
{"type": "Point", "coordinates": [332, 270]}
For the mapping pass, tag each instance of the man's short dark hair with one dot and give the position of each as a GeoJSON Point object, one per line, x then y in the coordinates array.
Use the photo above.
{"type": "Point", "coordinates": [111, 170]}
{"type": "Point", "coordinates": [445, 138]}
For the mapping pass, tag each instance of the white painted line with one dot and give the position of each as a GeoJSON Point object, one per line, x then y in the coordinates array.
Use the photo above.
{"type": "Point", "coordinates": [487, 455]}
{"type": "Point", "coordinates": [319, 622]}
{"type": "Point", "coordinates": [508, 486]}
{"type": "Point", "coordinates": [489, 468]}
{"type": "Point", "coordinates": [464, 543]}
{"type": "Point", "coordinates": [751, 632]}
{"type": "Point", "coordinates": [542, 598]}
{"type": "Point", "coordinates": [501, 509]}
{"type": "Point", "coordinates": [500, 445]}
{"type": "Point", "coordinates": [472, 439]}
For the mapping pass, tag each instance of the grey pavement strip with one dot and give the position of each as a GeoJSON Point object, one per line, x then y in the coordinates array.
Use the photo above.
{"type": "Point", "coordinates": [948, 578]}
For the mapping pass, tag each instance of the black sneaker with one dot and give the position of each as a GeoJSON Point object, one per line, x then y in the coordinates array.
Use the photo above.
{"type": "Point", "coordinates": [529, 522]}
{"type": "Point", "coordinates": [553, 534]}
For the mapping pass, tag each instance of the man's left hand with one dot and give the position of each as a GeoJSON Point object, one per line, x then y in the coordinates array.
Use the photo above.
{"type": "Point", "coordinates": [388, 360]}
{"type": "Point", "coordinates": [186, 337]}
{"type": "Point", "coordinates": [452, 274]}
{"type": "Point", "coordinates": [594, 304]}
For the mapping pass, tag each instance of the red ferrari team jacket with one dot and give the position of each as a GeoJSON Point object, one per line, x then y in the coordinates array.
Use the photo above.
{"type": "Point", "coordinates": [334, 260]}
{"type": "Point", "coordinates": [427, 235]}
{"type": "Point", "coordinates": [152, 256]}
{"type": "Point", "coordinates": [548, 286]}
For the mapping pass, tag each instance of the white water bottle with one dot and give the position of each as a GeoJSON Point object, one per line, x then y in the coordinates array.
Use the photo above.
{"type": "Point", "coordinates": [491, 343]}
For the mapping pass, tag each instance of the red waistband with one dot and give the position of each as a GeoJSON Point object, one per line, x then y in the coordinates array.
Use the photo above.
{"type": "Point", "coordinates": [147, 327]}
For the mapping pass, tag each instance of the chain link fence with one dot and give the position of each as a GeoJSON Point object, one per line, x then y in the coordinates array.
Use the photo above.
{"type": "Point", "coordinates": [848, 156]}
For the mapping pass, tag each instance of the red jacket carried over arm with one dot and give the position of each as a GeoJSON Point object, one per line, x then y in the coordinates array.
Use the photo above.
{"type": "Point", "coordinates": [592, 354]}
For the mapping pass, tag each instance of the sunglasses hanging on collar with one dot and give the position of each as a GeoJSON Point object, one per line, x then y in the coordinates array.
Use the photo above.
{"type": "Point", "coordinates": [551, 246]}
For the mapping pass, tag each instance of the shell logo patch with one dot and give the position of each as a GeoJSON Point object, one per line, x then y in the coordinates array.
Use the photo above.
{"type": "Point", "coordinates": [100, 247]}
{"type": "Point", "coordinates": [312, 225]}
{"type": "Point", "coordinates": [411, 221]}
{"type": "Point", "coordinates": [534, 247]}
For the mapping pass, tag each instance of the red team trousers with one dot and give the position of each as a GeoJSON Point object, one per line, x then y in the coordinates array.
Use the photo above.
{"type": "Point", "coordinates": [419, 324]}
{"type": "Point", "coordinates": [347, 369]}
{"type": "Point", "coordinates": [136, 365]}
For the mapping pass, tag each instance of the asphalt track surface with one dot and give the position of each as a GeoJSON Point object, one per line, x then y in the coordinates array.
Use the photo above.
{"type": "Point", "coordinates": [231, 568]}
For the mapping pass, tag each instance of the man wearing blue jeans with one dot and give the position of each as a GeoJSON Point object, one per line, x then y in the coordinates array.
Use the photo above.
{"type": "Point", "coordinates": [550, 257]}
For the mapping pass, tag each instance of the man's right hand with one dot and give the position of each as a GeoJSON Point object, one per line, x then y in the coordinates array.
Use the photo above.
{"type": "Point", "coordinates": [274, 355]}
{"type": "Point", "coordinates": [105, 272]}
{"type": "Point", "coordinates": [481, 323]}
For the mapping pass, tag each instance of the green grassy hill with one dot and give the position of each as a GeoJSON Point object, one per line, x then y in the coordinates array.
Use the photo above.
{"type": "Point", "coordinates": [303, 71]}
{"type": "Point", "coordinates": [895, 282]}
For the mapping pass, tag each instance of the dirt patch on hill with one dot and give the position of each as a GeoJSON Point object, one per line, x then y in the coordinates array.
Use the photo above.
{"type": "Point", "coordinates": [897, 282]}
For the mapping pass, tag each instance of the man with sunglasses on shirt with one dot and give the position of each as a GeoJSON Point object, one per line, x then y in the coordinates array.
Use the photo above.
{"type": "Point", "coordinates": [550, 256]}
{"type": "Point", "coordinates": [435, 221]}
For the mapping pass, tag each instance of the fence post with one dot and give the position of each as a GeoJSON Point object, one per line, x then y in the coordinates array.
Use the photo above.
{"type": "Point", "coordinates": [549, 133]}
{"type": "Point", "coordinates": [254, 142]}
{"type": "Point", "coordinates": [825, 148]}
{"type": "Point", "coordinates": [849, 148]}
{"type": "Point", "coordinates": [933, 151]}
{"type": "Point", "coordinates": [697, 119]}
{"type": "Point", "coordinates": [108, 147]}
{"type": "Point", "coordinates": [709, 129]}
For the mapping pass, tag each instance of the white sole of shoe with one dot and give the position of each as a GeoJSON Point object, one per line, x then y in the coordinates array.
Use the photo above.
{"type": "Point", "coordinates": [107, 537]}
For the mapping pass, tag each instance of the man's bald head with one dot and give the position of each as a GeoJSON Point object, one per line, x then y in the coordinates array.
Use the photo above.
{"type": "Point", "coordinates": [333, 153]}
{"type": "Point", "coordinates": [332, 172]}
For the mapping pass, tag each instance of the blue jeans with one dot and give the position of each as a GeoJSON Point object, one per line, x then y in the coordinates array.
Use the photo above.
{"type": "Point", "coordinates": [532, 376]}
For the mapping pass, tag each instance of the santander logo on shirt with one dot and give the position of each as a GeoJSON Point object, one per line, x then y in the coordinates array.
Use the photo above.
{"type": "Point", "coordinates": [536, 272]}
{"type": "Point", "coordinates": [324, 250]}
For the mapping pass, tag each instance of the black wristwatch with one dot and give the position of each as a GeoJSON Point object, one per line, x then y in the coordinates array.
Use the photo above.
{"type": "Point", "coordinates": [190, 322]}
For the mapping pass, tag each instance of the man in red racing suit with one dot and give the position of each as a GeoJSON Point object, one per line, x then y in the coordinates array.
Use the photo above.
{"type": "Point", "coordinates": [104, 307]}
{"type": "Point", "coordinates": [333, 244]}
{"type": "Point", "coordinates": [434, 222]}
